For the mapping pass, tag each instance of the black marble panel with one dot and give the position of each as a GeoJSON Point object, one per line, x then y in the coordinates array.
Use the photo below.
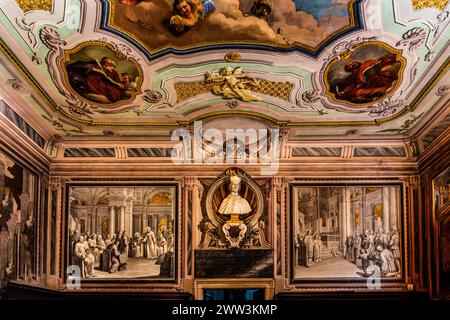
{"type": "Point", "coordinates": [234, 263]}
{"type": "Point", "coordinates": [149, 152]}
{"type": "Point", "coordinates": [89, 152]}
{"type": "Point", "coordinates": [379, 152]}
{"type": "Point", "coordinates": [21, 124]}
{"type": "Point", "coordinates": [316, 152]}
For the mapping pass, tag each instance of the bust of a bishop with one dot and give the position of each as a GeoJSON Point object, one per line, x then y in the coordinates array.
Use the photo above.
{"type": "Point", "coordinates": [234, 204]}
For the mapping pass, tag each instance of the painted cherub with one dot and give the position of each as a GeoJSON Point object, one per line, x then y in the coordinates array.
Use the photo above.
{"type": "Point", "coordinates": [187, 13]}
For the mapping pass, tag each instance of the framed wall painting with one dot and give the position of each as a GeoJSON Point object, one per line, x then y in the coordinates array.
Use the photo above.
{"type": "Point", "coordinates": [349, 233]}
{"type": "Point", "coordinates": [122, 232]}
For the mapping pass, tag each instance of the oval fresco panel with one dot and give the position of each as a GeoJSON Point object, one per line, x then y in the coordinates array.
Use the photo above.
{"type": "Point", "coordinates": [367, 73]}
{"type": "Point", "coordinates": [101, 75]}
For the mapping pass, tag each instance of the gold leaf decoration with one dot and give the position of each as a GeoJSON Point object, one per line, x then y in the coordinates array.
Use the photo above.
{"type": "Point", "coordinates": [422, 4]}
{"type": "Point", "coordinates": [232, 57]}
{"type": "Point", "coordinates": [281, 90]}
{"type": "Point", "coordinates": [29, 5]}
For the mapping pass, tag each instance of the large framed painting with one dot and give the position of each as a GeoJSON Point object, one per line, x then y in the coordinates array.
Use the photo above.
{"type": "Point", "coordinates": [122, 232]}
{"type": "Point", "coordinates": [441, 208]}
{"type": "Point", "coordinates": [18, 218]}
{"type": "Point", "coordinates": [347, 233]}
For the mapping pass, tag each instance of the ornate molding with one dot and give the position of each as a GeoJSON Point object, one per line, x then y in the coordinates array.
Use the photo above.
{"type": "Point", "coordinates": [280, 182]}
{"type": "Point", "coordinates": [16, 84]}
{"type": "Point", "coordinates": [56, 183]}
{"type": "Point", "coordinates": [61, 127]}
{"type": "Point", "coordinates": [407, 124]}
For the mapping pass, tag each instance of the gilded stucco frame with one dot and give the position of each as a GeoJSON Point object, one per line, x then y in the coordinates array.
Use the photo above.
{"type": "Point", "coordinates": [101, 107]}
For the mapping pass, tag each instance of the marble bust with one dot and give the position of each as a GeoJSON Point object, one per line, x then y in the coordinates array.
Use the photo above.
{"type": "Point", "coordinates": [234, 204]}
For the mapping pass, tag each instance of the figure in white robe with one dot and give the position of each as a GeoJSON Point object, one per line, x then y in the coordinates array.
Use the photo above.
{"type": "Point", "coordinates": [317, 249]}
{"type": "Point", "coordinates": [150, 245]}
{"type": "Point", "coordinates": [308, 241]}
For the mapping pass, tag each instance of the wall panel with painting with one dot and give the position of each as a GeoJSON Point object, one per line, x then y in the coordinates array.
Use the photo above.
{"type": "Point", "coordinates": [122, 232]}
{"type": "Point", "coordinates": [347, 233]}
{"type": "Point", "coordinates": [441, 210]}
{"type": "Point", "coordinates": [18, 220]}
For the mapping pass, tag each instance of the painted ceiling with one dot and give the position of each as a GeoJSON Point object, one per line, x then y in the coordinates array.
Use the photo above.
{"type": "Point", "coordinates": [365, 68]}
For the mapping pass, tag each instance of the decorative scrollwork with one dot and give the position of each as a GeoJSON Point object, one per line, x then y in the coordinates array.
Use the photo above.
{"type": "Point", "coordinates": [386, 108]}
{"type": "Point", "coordinates": [16, 84]}
{"type": "Point", "coordinates": [78, 107]}
{"type": "Point", "coordinates": [311, 96]}
{"type": "Point", "coordinates": [61, 127]}
{"type": "Point", "coordinates": [152, 96]}
{"type": "Point", "coordinates": [413, 38]}
{"type": "Point", "coordinates": [155, 98]}
{"type": "Point", "coordinates": [51, 38]}
{"type": "Point", "coordinates": [443, 90]}
{"type": "Point", "coordinates": [121, 50]}
{"type": "Point", "coordinates": [405, 126]}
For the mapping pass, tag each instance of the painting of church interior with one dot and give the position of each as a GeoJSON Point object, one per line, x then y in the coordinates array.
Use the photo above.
{"type": "Point", "coordinates": [17, 222]}
{"type": "Point", "coordinates": [122, 232]}
{"type": "Point", "coordinates": [347, 232]}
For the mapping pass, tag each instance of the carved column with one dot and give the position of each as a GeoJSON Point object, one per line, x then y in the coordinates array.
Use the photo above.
{"type": "Point", "coordinates": [56, 225]}
{"type": "Point", "coordinates": [112, 220]}
{"type": "Point", "coordinates": [144, 219]}
{"type": "Point", "coordinates": [295, 223]}
{"type": "Point", "coordinates": [393, 207]}
{"type": "Point", "coordinates": [386, 208]}
{"type": "Point", "coordinates": [279, 211]}
{"type": "Point", "coordinates": [341, 223]}
{"type": "Point", "coordinates": [279, 185]}
{"type": "Point", "coordinates": [415, 230]}
{"type": "Point", "coordinates": [122, 219]}
{"type": "Point", "coordinates": [129, 219]}
{"type": "Point", "coordinates": [90, 225]}
{"type": "Point", "coordinates": [193, 216]}
{"type": "Point", "coordinates": [43, 225]}
{"type": "Point", "coordinates": [346, 213]}
{"type": "Point", "coordinates": [284, 135]}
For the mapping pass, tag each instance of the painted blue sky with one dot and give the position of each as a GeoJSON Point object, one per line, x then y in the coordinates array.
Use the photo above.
{"type": "Point", "coordinates": [320, 8]}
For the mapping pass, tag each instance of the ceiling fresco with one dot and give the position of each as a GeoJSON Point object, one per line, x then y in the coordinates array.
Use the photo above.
{"type": "Point", "coordinates": [174, 26]}
{"type": "Point", "coordinates": [336, 68]}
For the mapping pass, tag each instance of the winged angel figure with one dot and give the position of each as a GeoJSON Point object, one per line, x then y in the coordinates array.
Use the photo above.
{"type": "Point", "coordinates": [233, 83]}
